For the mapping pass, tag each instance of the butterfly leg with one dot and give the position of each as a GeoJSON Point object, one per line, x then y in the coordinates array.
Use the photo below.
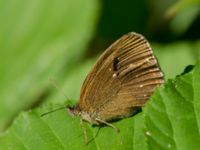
{"type": "Point", "coordinates": [108, 124]}
{"type": "Point", "coordinates": [88, 142]}
{"type": "Point", "coordinates": [84, 131]}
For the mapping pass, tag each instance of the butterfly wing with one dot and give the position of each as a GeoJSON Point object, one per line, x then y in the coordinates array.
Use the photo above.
{"type": "Point", "coordinates": [122, 80]}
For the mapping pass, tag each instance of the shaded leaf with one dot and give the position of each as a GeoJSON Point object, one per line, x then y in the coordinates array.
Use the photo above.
{"type": "Point", "coordinates": [179, 11]}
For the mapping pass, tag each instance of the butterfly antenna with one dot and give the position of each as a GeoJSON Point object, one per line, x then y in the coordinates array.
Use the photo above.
{"type": "Point", "coordinates": [55, 84]}
{"type": "Point", "coordinates": [53, 110]}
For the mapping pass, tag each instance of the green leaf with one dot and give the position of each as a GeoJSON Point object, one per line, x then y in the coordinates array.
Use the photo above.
{"type": "Point", "coordinates": [39, 40]}
{"type": "Point", "coordinates": [61, 131]}
{"type": "Point", "coordinates": [170, 120]}
{"type": "Point", "coordinates": [172, 114]}
{"type": "Point", "coordinates": [196, 84]}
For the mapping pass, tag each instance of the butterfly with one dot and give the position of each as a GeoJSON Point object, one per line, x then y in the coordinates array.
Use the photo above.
{"type": "Point", "coordinates": [122, 80]}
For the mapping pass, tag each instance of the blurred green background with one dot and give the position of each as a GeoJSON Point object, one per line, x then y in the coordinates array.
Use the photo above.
{"type": "Point", "coordinates": [46, 39]}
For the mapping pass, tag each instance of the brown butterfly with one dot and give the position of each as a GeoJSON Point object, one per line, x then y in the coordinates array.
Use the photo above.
{"type": "Point", "coordinates": [122, 80]}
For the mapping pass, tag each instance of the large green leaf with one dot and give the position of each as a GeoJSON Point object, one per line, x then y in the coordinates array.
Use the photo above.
{"type": "Point", "coordinates": [172, 115]}
{"type": "Point", "coordinates": [39, 40]}
{"type": "Point", "coordinates": [61, 131]}
{"type": "Point", "coordinates": [170, 120]}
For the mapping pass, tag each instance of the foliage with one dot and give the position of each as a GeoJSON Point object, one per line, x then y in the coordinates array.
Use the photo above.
{"type": "Point", "coordinates": [43, 40]}
{"type": "Point", "coordinates": [39, 40]}
{"type": "Point", "coordinates": [170, 120]}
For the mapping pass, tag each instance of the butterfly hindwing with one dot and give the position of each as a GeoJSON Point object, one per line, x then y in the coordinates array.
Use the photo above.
{"type": "Point", "coordinates": [123, 78]}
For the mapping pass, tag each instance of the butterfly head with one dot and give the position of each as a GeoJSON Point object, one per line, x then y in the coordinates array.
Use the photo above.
{"type": "Point", "coordinates": [75, 111]}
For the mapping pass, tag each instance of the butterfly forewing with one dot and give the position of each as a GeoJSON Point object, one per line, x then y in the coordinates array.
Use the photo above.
{"type": "Point", "coordinates": [122, 80]}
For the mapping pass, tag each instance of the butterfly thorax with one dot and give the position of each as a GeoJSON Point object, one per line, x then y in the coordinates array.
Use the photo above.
{"type": "Point", "coordinates": [89, 117]}
{"type": "Point", "coordinates": [86, 116]}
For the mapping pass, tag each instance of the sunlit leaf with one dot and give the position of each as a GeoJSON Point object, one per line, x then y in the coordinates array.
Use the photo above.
{"type": "Point", "coordinates": [170, 120]}
{"type": "Point", "coordinates": [39, 40]}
